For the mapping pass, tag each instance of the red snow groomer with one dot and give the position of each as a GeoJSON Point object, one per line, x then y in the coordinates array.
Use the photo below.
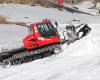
{"type": "Point", "coordinates": [41, 34]}
{"type": "Point", "coordinates": [43, 40]}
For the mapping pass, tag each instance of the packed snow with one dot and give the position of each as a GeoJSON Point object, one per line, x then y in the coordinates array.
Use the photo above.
{"type": "Point", "coordinates": [26, 13]}
{"type": "Point", "coordinates": [86, 6]}
{"type": "Point", "coordinates": [12, 33]}
{"type": "Point", "coordinates": [78, 61]}
{"type": "Point", "coordinates": [11, 36]}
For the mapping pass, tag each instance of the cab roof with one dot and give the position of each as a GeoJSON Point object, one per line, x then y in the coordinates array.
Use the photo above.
{"type": "Point", "coordinates": [43, 21]}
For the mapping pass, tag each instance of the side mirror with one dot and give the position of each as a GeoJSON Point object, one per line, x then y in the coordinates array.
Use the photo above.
{"type": "Point", "coordinates": [56, 24]}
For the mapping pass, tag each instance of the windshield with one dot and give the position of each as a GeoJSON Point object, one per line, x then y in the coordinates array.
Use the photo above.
{"type": "Point", "coordinates": [47, 29]}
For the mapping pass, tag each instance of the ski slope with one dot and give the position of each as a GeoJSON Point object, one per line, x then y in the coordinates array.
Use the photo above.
{"type": "Point", "coordinates": [11, 32]}
{"type": "Point", "coordinates": [26, 13]}
{"type": "Point", "coordinates": [78, 61]}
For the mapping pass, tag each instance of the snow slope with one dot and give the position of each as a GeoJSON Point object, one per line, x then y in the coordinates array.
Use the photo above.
{"type": "Point", "coordinates": [12, 33]}
{"type": "Point", "coordinates": [11, 36]}
{"type": "Point", "coordinates": [78, 61]}
{"type": "Point", "coordinates": [26, 13]}
{"type": "Point", "coordinates": [86, 6]}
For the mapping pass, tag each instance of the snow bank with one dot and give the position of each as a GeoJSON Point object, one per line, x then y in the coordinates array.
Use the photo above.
{"type": "Point", "coordinates": [85, 5]}
{"type": "Point", "coordinates": [26, 13]}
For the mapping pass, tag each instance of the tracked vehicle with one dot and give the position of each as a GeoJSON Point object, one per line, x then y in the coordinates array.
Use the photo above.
{"type": "Point", "coordinates": [43, 40]}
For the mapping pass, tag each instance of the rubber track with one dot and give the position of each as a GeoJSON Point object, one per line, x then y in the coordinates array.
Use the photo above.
{"type": "Point", "coordinates": [26, 56]}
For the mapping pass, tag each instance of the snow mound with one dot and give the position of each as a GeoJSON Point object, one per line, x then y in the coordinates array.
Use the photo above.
{"type": "Point", "coordinates": [86, 5]}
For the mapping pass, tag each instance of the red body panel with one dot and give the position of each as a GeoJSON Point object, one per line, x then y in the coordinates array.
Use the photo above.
{"type": "Point", "coordinates": [35, 40]}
